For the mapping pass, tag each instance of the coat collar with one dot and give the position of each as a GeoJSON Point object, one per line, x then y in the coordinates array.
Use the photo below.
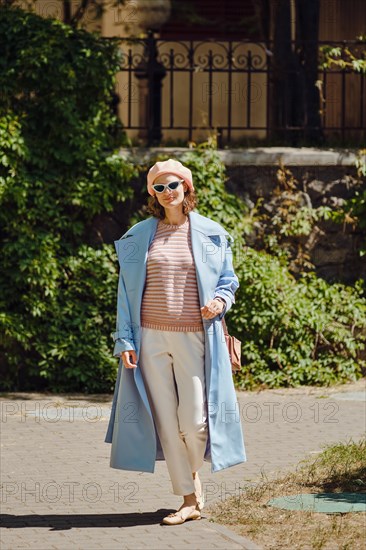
{"type": "Point", "coordinates": [132, 248]}
{"type": "Point", "coordinates": [199, 223]}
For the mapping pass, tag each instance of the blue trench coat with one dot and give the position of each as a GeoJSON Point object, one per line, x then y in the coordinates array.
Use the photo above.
{"type": "Point", "coordinates": [131, 430]}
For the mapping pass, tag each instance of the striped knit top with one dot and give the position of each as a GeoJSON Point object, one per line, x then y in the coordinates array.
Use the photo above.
{"type": "Point", "coordinates": [170, 300]}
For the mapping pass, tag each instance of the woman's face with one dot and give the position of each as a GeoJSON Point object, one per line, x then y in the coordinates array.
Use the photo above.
{"type": "Point", "coordinates": [170, 198]}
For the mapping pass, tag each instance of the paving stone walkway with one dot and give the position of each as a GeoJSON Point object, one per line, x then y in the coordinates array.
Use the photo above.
{"type": "Point", "coordinates": [58, 491]}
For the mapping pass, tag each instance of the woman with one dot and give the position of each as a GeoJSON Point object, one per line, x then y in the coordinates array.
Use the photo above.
{"type": "Point", "coordinates": [174, 398]}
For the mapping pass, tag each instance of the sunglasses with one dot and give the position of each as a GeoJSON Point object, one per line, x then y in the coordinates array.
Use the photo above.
{"type": "Point", "coordinates": [160, 187]}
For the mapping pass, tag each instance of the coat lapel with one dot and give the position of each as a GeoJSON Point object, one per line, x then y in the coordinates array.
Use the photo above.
{"type": "Point", "coordinates": [207, 253]}
{"type": "Point", "coordinates": [132, 251]}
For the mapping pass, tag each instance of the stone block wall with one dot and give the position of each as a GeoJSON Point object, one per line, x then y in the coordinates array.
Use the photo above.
{"type": "Point", "coordinates": [333, 248]}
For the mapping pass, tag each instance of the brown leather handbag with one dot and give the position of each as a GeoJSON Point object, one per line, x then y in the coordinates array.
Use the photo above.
{"type": "Point", "coordinates": [234, 347]}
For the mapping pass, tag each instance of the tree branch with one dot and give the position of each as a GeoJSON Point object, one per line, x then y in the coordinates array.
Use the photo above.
{"type": "Point", "coordinates": [78, 15]}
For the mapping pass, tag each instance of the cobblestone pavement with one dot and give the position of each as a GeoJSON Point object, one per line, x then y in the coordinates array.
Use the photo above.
{"type": "Point", "coordinates": [58, 491]}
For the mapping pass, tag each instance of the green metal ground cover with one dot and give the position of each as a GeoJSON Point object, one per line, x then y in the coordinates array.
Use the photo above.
{"type": "Point", "coordinates": [328, 503]}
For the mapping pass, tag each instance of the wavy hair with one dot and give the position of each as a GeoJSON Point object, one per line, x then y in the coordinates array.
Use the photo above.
{"type": "Point", "coordinates": [157, 210]}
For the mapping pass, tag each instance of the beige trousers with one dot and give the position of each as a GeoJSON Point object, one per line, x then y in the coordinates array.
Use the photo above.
{"type": "Point", "coordinates": [172, 367]}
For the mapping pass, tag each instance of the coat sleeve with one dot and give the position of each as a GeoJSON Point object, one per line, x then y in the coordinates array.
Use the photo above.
{"type": "Point", "coordinates": [228, 282]}
{"type": "Point", "coordinates": [123, 337]}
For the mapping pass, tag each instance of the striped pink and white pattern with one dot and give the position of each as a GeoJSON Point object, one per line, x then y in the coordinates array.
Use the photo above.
{"type": "Point", "coordinates": [170, 300]}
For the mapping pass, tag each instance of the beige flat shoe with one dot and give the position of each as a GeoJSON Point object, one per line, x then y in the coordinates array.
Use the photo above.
{"type": "Point", "coordinates": [198, 492]}
{"type": "Point", "coordinates": [176, 518]}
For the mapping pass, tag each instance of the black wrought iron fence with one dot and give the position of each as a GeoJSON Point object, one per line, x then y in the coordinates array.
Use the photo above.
{"type": "Point", "coordinates": [183, 87]}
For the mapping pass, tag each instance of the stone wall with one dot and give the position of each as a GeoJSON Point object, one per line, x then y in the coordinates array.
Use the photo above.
{"type": "Point", "coordinates": [333, 248]}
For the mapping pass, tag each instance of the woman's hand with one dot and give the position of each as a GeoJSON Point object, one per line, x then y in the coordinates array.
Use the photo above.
{"type": "Point", "coordinates": [129, 359]}
{"type": "Point", "coordinates": [212, 308]}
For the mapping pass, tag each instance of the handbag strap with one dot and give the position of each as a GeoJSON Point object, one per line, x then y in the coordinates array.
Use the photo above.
{"type": "Point", "coordinates": [224, 326]}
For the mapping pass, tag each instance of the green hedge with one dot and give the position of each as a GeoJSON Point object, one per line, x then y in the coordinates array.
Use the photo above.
{"type": "Point", "coordinates": [296, 331]}
{"type": "Point", "coordinates": [59, 167]}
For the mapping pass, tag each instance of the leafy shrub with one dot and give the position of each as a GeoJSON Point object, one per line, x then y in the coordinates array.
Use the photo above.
{"type": "Point", "coordinates": [295, 332]}
{"type": "Point", "coordinates": [285, 226]}
{"type": "Point", "coordinates": [354, 209]}
{"type": "Point", "coordinates": [59, 167]}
